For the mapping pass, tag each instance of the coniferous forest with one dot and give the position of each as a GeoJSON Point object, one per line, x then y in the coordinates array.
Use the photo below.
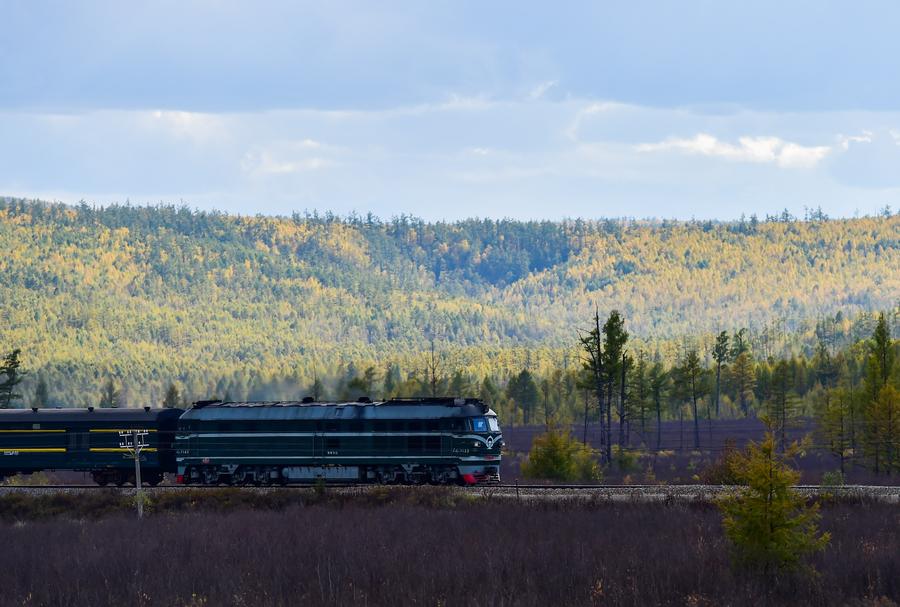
{"type": "Point", "coordinates": [685, 321]}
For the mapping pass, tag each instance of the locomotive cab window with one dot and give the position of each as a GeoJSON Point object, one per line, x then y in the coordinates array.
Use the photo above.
{"type": "Point", "coordinates": [479, 424]}
{"type": "Point", "coordinates": [492, 422]}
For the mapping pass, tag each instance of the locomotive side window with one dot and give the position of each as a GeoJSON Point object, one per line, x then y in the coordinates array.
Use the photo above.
{"type": "Point", "coordinates": [455, 424]}
{"type": "Point", "coordinates": [414, 444]}
{"type": "Point", "coordinates": [479, 424]}
{"type": "Point", "coordinates": [432, 444]}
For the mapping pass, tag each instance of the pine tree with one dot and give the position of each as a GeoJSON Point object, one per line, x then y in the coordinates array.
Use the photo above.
{"type": "Point", "coordinates": [691, 386]}
{"type": "Point", "coordinates": [659, 382]}
{"type": "Point", "coordinates": [10, 369]}
{"type": "Point", "coordinates": [884, 429]}
{"type": "Point", "coordinates": [739, 344]}
{"type": "Point", "coordinates": [460, 385]}
{"type": "Point", "coordinates": [172, 398]}
{"type": "Point", "coordinates": [523, 391]}
{"type": "Point", "coordinates": [640, 392]}
{"type": "Point", "coordinates": [720, 355]}
{"type": "Point", "coordinates": [41, 394]}
{"type": "Point", "coordinates": [743, 378]}
{"type": "Point", "coordinates": [391, 379]}
{"type": "Point", "coordinates": [615, 363]}
{"type": "Point", "coordinates": [826, 369]}
{"type": "Point", "coordinates": [782, 406]}
{"type": "Point", "coordinates": [488, 392]}
{"type": "Point", "coordinates": [109, 396]}
{"type": "Point", "coordinates": [770, 527]}
{"type": "Point", "coordinates": [835, 418]}
{"type": "Point", "coordinates": [546, 390]}
{"type": "Point", "coordinates": [881, 354]}
{"type": "Point", "coordinates": [592, 378]}
{"type": "Point", "coordinates": [879, 404]}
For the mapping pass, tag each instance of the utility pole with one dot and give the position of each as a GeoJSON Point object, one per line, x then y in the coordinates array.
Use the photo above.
{"type": "Point", "coordinates": [135, 441]}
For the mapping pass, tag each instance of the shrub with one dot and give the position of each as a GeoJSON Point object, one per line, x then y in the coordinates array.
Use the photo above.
{"type": "Point", "coordinates": [833, 478]}
{"type": "Point", "coordinates": [626, 461]}
{"type": "Point", "coordinates": [723, 471]}
{"type": "Point", "coordinates": [556, 455]}
{"type": "Point", "coordinates": [36, 478]}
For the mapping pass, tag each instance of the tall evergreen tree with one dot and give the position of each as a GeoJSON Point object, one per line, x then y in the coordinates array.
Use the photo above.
{"type": "Point", "coordinates": [523, 391]}
{"type": "Point", "coordinates": [13, 375]}
{"type": "Point", "coordinates": [834, 423]}
{"type": "Point", "coordinates": [640, 392]}
{"type": "Point", "coordinates": [615, 362]}
{"type": "Point", "coordinates": [881, 357]}
{"type": "Point", "coordinates": [391, 379]}
{"type": "Point", "coordinates": [743, 378]}
{"type": "Point", "coordinates": [41, 394]}
{"type": "Point", "coordinates": [781, 404]}
{"type": "Point", "coordinates": [109, 396]}
{"type": "Point", "coordinates": [739, 343]}
{"type": "Point", "coordinates": [658, 383]}
{"type": "Point", "coordinates": [172, 398]}
{"type": "Point", "coordinates": [884, 434]}
{"type": "Point", "coordinates": [720, 355]}
{"type": "Point", "coordinates": [489, 392]}
{"type": "Point", "coordinates": [691, 386]}
{"type": "Point", "coordinates": [594, 377]}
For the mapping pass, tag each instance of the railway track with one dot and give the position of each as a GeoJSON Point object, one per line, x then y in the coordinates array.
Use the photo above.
{"type": "Point", "coordinates": [521, 491]}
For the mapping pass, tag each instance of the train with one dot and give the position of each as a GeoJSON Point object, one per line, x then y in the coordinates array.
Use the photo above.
{"type": "Point", "coordinates": [442, 440]}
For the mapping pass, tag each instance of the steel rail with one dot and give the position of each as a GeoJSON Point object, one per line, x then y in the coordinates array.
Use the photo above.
{"type": "Point", "coordinates": [529, 487]}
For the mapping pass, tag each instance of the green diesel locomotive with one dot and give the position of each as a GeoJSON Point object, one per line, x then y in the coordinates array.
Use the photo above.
{"type": "Point", "coordinates": [415, 441]}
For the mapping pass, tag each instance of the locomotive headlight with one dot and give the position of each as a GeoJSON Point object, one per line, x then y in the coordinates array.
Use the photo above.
{"type": "Point", "coordinates": [476, 444]}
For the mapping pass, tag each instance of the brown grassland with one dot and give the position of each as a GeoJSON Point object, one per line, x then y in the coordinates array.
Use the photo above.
{"type": "Point", "coordinates": [422, 546]}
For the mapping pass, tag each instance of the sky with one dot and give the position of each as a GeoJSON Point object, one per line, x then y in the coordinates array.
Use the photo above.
{"type": "Point", "coordinates": [448, 110]}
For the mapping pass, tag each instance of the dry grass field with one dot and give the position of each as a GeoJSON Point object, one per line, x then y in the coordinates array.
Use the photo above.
{"type": "Point", "coordinates": [418, 547]}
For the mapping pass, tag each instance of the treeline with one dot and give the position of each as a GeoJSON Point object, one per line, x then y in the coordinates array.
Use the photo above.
{"type": "Point", "coordinates": [208, 302]}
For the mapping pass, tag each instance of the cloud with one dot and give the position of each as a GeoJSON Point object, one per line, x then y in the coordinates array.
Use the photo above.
{"type": "Point", "coordinates": [869, 160]}
{"type": "Point", "coordinates": [539, 91]}
{"type": "Point", "coordinates": [770, 150]}
{"type": "Point", "coordinates": [572, 131]}
{"type": "Point", "coordinates": [194, 126]}
{"type": "Point", "coordinates": [846, 140]}
{"type": "Point", "coordinates": [288, 157]}
{"type": "Point", "coordinates": [462, 156]}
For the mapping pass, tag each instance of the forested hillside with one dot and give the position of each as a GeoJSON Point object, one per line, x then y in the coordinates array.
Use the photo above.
{"type": "Point", "coordinates": [152, 295]}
